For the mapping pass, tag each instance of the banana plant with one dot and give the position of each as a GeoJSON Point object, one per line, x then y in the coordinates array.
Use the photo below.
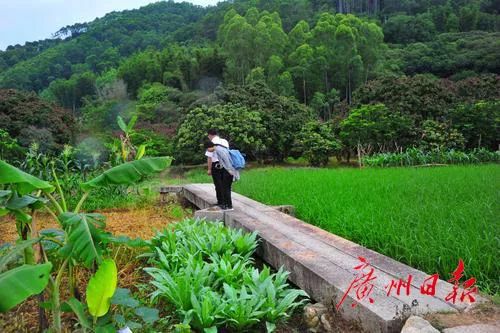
{"type": "Point", "coordinates": [16, 200]}
{"type": "Point", "coordinates": [100, 290]}
{"type": "Point", "coordinates": [101, 293]}
{"type": "Point", "coordinates": [128, 149]}
{"type": "Point", "coordinates": [23, 281]}
{"type": "Point", "coordinates": [85, 232]}
{"type": "Point", "coordinates": [85, 238]}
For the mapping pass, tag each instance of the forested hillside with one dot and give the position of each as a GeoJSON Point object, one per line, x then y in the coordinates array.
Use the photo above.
{"type": "Point", "coordinates": [280, 78]}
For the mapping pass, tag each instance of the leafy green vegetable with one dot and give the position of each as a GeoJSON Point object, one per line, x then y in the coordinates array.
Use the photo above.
{"type": "Point", "coordinates": [148, 315]}
{"type": "Point", "coordinates": [204, 270]}
{"type": "Point", "coordinates": [122, 297]}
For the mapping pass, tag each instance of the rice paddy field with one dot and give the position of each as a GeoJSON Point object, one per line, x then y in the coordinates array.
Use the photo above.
{"type": "Point", "coordinates": [427, 218]}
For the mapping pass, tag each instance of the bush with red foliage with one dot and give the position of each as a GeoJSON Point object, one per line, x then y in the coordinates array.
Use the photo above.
{"type": "Point", "coordinates": [23, 114]}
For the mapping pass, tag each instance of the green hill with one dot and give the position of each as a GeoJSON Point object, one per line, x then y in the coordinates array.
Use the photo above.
{"type": "Point", "coordinates": [316, 66]}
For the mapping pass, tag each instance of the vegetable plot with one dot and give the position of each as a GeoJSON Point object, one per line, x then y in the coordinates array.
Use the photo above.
{"type": "Point", "coordinates": [205, 271]}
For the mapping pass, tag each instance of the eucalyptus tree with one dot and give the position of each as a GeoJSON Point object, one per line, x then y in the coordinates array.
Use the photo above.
{"type": "Point", "coordinates": [299, 35]}
{"type": "Point", "coordinates": [302, 61]}
{"type": "Point", "coordinates": [249, 42]}
{"type": "Point", "coordinates": [236, 36]}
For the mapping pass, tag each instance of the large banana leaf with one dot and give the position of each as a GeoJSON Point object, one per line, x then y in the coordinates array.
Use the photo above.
{"type": "Point", "coordinates": [101, 288]}
{"type": "Point", "coordinates": [19, 283]}
{"type": "Point", "coordinates": [131, 123]}
{"type": "Point", "coordinates": [25, 183]}
{"type": "Point", "coordinates": [21, 216]}
{"type": "Point", "coordinates": [85, 234]}
{"type": "Point", "coordinates": [140, 152]}
{"type": "Point", "coordinates": [25, 201]}
{"type": "Point", "coordinates": [129, 173]}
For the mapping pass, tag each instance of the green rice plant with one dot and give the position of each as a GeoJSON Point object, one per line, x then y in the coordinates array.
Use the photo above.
{"type": "Point", "coordinates": [414, 156]}
{"type": "Point", "coordinates": [427, 218]}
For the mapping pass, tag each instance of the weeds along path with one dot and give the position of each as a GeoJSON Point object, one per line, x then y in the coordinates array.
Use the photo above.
{"type": "Point", "coordinates": [427, 218]}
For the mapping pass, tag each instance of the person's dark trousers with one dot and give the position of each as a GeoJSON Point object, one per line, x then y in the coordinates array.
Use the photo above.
{"type": "Point", "coordinates": [217, 178]}
{"type": "Point", "coordinates": [227, 181]}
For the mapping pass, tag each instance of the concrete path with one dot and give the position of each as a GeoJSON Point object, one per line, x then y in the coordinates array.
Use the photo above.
{"type": "Point", "coordinates": [323, 264]}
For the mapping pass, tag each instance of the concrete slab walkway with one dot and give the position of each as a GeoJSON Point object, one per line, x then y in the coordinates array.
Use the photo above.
{"type": "Point", "coordinates": [323, 264]}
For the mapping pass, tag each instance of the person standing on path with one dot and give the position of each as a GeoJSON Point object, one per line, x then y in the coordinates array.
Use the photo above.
{"type": "Point", "coordinates": [214, 169]}
{"type": "Point", "coordinates": [229, 173]}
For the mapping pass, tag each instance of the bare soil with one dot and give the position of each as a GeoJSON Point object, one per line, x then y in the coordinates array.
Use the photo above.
{"type": "Point", "coordinates": [486, 313]}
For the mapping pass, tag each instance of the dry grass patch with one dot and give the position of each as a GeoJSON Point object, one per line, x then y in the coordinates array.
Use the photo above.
{"type": "Point", "coordinates": [132, 222]}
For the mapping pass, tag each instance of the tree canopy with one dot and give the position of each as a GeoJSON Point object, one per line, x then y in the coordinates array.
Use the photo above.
{"type": "Point", "coordinates": [327, 76]}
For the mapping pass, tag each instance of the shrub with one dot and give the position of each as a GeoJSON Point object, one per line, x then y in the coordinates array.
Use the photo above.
{"type": "Point", "coordinates": [22, 114]}
{"type": "Point", "coordinates": [375, 126]}
{"type": "Point", "coordinates": [156, 144]}
{"type": "Point", "coordinates": [281, 116]}
{"type": "Point", "coordinates": [439, 136]}
{"type": "Point", "coordinates": [241, 126]}
{"type": "Point", "coordinates": [479, 123]}
{"type": "Point", "coordinates": [159, 104]}
{"type": "Point", "coordinates": [410, 95]}
{"type": "Point", "coordinates": [317, 143]}
{"type": "Point", "coordinates": [9, 147]}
